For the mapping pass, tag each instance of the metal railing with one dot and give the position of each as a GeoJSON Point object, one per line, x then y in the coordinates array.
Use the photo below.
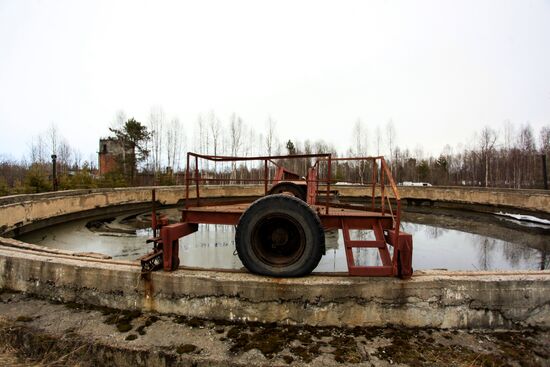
{"type": "Point", "coordinates": [381, 177]}
{"type": "Point", "coordinates": [267, 160]}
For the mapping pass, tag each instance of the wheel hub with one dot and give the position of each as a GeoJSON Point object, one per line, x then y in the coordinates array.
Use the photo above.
{"type": "Point", "coordinates": [278, 240]}
{"type": "Point", "coordinates": [279, 237]}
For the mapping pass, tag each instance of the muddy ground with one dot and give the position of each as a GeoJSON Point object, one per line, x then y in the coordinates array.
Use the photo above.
{"type": "Point", "coordinates": [39, 332]}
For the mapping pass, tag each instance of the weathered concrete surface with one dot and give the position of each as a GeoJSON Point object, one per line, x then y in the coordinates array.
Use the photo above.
{"type": "Point", "coordinates": [429, 299]}
{"type": "Point", "coordinates": [21, 210]}
{"type": "Point", "coordinates": [80, 335]}
{"type": "Point", "coordinates": [530, 200]}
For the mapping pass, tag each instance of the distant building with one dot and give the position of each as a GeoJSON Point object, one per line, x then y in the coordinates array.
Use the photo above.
{"type": "Point", "coordinates": [112, 156]}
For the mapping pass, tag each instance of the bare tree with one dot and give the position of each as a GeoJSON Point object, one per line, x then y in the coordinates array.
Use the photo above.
{"type": "Point", "coordinates": [526, 144]}
{"type": "Point", "coordinates": [270, 135]}
{"type": "Point", "coordinates": [215, 131]}
{"type": "Point", "coordinates": [173, 143]}
{"type": "Point", "coordinates": [418, 152]}
{"type": "Point", "coordinates": [92, 159]}
{"type": "Point", "coordinates": [169, 142]}
{"type": "Point", "coordinates": [360, 138]}
{"type": "Point", "coordinates": [378, 139]}
{"type": "Point", "coordinates": [77, 158]}
{"type": "Point", "coordinates": [180, 145]}
{"type": "Point", "coordinates": [64, 153]}
{"type": "Point", "coordinates": [156, 127]}
{"type": "Point", "coordinates": [198, 134]}
{"type": "Point", "coordinates": [390, 137]}
{"type": "Point", "coordinates": [53, 138]}
{"type": "Point", "coordinates": [508, 134]}
{"type": "Point", "coordinates": [38, 149]}
{"type": "Point", "coordinates": [252, 142]}
{"type": "Point", "coordinates": [509, 171]}
{"type": "Point", "coordinates": [545, 139]}
{"type": "Point", "coordinates": [526, 138]}
{"type": "Point", "coordinates": [235, 136]}
{"type": "Point", "coordinates": [360, 146]}
{"type": "Point", "coordinates": [488, 139]}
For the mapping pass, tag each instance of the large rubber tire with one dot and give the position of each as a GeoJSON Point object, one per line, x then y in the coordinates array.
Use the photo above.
{"type": "Point", "coordinates": [289, 188]}
{"type": "Point", "coordinates": [280, 236]}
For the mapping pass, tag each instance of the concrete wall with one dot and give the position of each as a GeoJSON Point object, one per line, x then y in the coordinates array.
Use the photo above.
{"type": "Point", "coordinates": [430, 299]}
{"type": "Point", "coordinates": [530, 200]}
{"type": "Point", "coordinates": [20, 210]}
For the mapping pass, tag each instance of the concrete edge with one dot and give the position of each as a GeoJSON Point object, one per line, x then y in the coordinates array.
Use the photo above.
{"type": "Point", "coordinates": [438, 300]}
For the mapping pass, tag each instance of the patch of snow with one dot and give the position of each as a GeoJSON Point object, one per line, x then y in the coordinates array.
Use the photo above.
{"type": "Point", "coordinates": [525, 218]}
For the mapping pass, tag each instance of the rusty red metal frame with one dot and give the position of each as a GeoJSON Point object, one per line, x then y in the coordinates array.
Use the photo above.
{"type": "Point", "coordinates": [265, 159]}
{"type": "Point", "coordinates": [384, 225]}
{"type": "Point", "coordinates": [385, 173]}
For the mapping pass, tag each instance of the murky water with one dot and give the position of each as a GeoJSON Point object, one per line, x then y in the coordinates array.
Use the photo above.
{"type": "Point", "coordinates": [213, 246]}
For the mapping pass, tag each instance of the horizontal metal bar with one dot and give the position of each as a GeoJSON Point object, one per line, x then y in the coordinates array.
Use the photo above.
{"type": "Point", "coordinates": [178, 230]}
{"type": "Point", "coordinates": [365, 244]}
{"type": "Point", "coordinates": [355, 158]}
{"type": "Point", "coordinates": [331, 222]}
{"type": "Point", "coordinates": [202, 217]}
{"type": "Point", "coordinates": [257, 158]}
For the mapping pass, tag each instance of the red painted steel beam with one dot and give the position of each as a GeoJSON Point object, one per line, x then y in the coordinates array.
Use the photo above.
{"type": "Point", "coordinates": [366, 244]}
{"type": "Point", "coordinates": [403, 246]}
{"type": "Point", "coordinates": [170, 236]}
{"type": "Point", "coordinates": [355, 222]}
{"type": "Point", "coordinates": [371, 271]}
{"type": "Point", "coordinates": [220, 158]}
{"type": "Point", "coordinates": [311, 186]}
{"type": "Point", "coordinates": [205, 217]}
{"type": "Point", "coordinates": [328, 221]}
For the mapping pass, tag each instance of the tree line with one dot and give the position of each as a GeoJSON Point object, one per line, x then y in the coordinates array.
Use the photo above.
{"type": "Point", "coordinates": [509, 157]}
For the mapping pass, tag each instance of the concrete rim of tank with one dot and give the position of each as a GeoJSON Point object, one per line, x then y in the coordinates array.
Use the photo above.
{"type": "Point", "coordinates": [441, 299]}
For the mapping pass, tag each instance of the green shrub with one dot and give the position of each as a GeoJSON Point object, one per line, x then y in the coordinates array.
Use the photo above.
{"type": "Point", "coordinates": [37, 180]}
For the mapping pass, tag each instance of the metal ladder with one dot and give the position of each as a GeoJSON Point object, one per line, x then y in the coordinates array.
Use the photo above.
{"type": "Point", "coordinates": [387, 268]}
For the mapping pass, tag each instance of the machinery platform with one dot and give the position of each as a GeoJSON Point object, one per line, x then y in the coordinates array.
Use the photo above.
{"type": "Point", "coordinates": [282, 233]}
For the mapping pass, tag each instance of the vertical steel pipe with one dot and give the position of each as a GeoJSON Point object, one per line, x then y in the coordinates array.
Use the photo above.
{"type": "Point", "coordinates": [265, 177]}
{"type": "Point", "coordinates": [329, 169]}
{"type": "Point", "coordinates": [197, 180]}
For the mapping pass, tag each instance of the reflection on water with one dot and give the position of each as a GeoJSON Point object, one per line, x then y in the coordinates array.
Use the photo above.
{"type": "Point", "coordinates": [213, 246]}
{"type": "Point", "coordinates": [455, 250]}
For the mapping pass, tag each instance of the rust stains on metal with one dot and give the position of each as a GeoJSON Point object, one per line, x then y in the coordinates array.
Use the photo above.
{"type": "Point", "coordinates": [380, 215]}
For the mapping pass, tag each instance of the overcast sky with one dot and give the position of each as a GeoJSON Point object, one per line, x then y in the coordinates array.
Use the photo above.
{"type": "Point", "coordinates": [439, 69]}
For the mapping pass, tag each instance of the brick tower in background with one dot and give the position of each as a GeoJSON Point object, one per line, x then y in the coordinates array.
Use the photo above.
{"type": "Point", "coordinates": [112, 156]}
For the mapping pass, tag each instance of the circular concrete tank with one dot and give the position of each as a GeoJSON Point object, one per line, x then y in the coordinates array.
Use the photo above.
{"type": "Point", "coordinates": [440, 299]}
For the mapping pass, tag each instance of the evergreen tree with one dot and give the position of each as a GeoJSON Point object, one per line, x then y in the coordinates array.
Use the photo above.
{"type": "Point", "coordinates": [134, 136]}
